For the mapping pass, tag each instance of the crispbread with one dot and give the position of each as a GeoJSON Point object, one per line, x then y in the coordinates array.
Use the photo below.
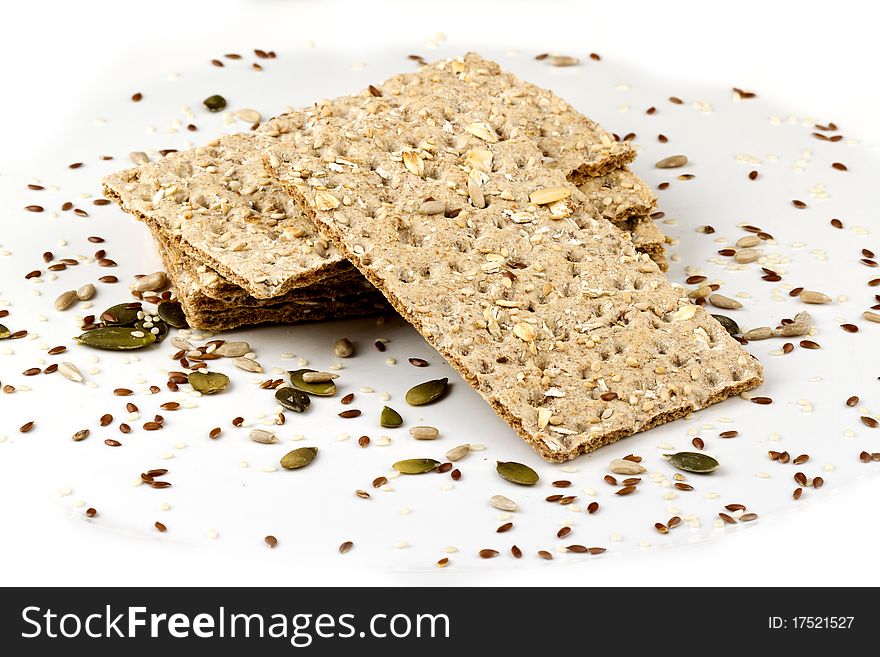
{"type": "Point", "coordinates": [303, 304]}
{"type": "Point", "coordinates": [189, 284]}
{"type": "Point", "coordinates": [547, 310]}
{"type": "Point", "coordinates": [620, 195]}
{"type": "Point", "coordinates": [229, 217]}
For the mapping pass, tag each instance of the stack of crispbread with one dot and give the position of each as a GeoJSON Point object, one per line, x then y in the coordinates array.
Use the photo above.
{"type": "Point", "coordinates": [494, 217]}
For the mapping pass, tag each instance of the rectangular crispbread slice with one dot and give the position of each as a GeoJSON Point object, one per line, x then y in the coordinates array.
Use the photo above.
{"type": "Point", "coordinates": [304, 304]}
{"type": "Point", "coordinates": [544, 307]}
{"type": "Point", "coordinates": [230, 217]}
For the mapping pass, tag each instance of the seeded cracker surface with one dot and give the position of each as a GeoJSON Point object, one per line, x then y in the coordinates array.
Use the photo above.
{"type": "Point", "coordinates": [541, 304]}
{"type": "Point", "coordinates": [229, 215]}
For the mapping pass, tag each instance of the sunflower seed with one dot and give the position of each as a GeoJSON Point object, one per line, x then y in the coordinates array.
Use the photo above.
{"type": "Point", "coordinates": [425, 393]}
{"type": "Point", "coordinates": [517, 473]}
{"type": "Point", "coordinates": [672, 162]}
{"type": "Point", "coordinates": [248, 115]}
{"type": "Point", "coordinates": [318, 377]}
{"type": "Point", "coordinates": [810, 296]}
{"type": "Point", "coordinates": [139, 157]}
{"type": "Point", "coordinates": [458, 453]}
{"type": "Point", "coordinates": [871, 316]}
{"type": "Point", "coordinates": [86, 292]}
{"type": "Point", "coordinates": [562, 60]}
{"type": "Point", "coordinates": [116, 338]}
{"type": "Point", "coordinates": [424, 433]}
{"type": "Point", "coordinates": [65, 300]}
{"type": "Point", "coordinates": [692, 462]}
{"type": "Point", "coordinates": [150, 282]}
{"type": "Point", "coordinates": [233, 349]}
{"type": "Point", "coordinates": [343, 348]}
{"type": "Point", "coordinates": [503, 504]}
{"type": "Point", "coordinates": [320, 389]}
{"type": "Point", "coordinates": [721, 301]}
{"type": "Point", "coordinates": [299, 458]}
{"type": "Point", "coordinates": [549, 195]}
{"type": "Point", "coordinates": [247, 364]}
{"type": "Point", "coordinates": [623, 466]}
{"type": "Point", "coordinates": [208, 383]}
{"type": "Point", "coordinates": [4, 332]}
{"type": "Point", "coordinates": [432, 207]}
{"type": "Point", "coordinates": [70, 372]}
{"type": "Point", "coordinates": [761, 333]}
{"type": "Point", "coordinates": [416, 466]}
{"type": "Point", "coordinates": [262, 436]}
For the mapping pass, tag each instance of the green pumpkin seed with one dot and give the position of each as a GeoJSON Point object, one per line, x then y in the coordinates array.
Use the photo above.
{"type": "Point", "coordinates": [416, 466]}
{"type": "Point", "coordinates": [299, 458]}
{"type": "Point", "coordinates": [122, 314]}
{"type": "Point", "coordinates": [116, 338]}
{"type": "Point", "coordinates": [693, 462]}
{"type": "Point", "coordinates": [320, 389]}
{"type": "Point", "coordinates": [729, 325]}
{"type": "Point", "coordinates": [208, 383]}
{"type": "Point", "coordinates": [390, 418]}
{"type": "Point", "coordinates": [292, 399]}
{"type": "Point", "coordinates": [517, 473]}
{"type": "Point", "coordinates": [4, 332]}
{"type": "Point", "coordinates": [215, 103]}
{"type": "Point", "coordinates": [425, 393]}
{"type": "Point", "coordinates": [171, 313]}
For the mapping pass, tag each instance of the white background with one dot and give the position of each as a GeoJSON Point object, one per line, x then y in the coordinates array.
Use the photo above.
{"type": "Point", "coordinates": [818, 56]}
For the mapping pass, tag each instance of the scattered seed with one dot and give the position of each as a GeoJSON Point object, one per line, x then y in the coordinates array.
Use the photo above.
{"type": "Point", "coordinates": [503, 504]}
{"type": "Point", "coordinates": [215, 433]}
{"type": "Point", "coordinates": [363, 441]}
{"type": "Point", "coordinates": [320, 389]}
{"type": "Point", "coordinates": [592, 507]}
{"type": "Point", "coordinates": [763, 401]}
{"type": "Point", "coordinates": [292, 399]}
{"type": "Point", "coordinates": [626, 467]}
{"type": "Point", "coordinates": [803, 458]}
{"type": "Point", "coordinates": [416, 466]}
{"type": "Point", "coordinates": [427, 392]}
{"type": "Point", "coordinates": [809, 344]}
{"type": "Point", "coordinates": [660, 527]}
{"type": "Point", "coordinates": [343, 348]}
{"type": "Point", "coordinates": [672, 162]}
{"type": "Point", "coordinates": [682, 486]}
{"type": "Point", "coordinates": [262, 436]}
{"type": "Point", "coordinates": [390, 418]}
{"type": "Point", "coordinates": [507, 526]}
{"type": "Point", "coordinates": [458, 453]}
{"type": "Point", "coordinates": [488, 554]}
{"type": "Point", "coordinates": [577, 549]}
{"type": "Point", "coordinates": [418, 362]}
{"type": "Point", "coordinates": [730, 520]}
{"type": "Point", "coordinates": [345, 547]}
{"type": "Point", "coordinates": [91, 512]}
{"type": "Point", "coordinates": [626, 490]}
{"type": "Point", "coordinates": [797, 493]}
{"type": "Point", "coordinates": [351, 413]}
{"type": "Point", "coordinates": [299, 458]}
{"type": "Point", "coordinates": [208, 383]}
{"type": "Point", "coordinates": [110, 442]}
{"type": "Point", "coordinates": [869, 422]}
{"type": "Point", "coordinates": [517, 473]}
{"type": "Point", "coordinates": [215, 103]}
{"type": "Point", "coordinates": [698, 443]}
{"type": "Point", "coordinates": [693, 462]}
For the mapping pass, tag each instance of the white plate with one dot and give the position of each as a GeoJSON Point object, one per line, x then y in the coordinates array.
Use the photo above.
{"type": "Point", "coordinates": [217, 503]}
